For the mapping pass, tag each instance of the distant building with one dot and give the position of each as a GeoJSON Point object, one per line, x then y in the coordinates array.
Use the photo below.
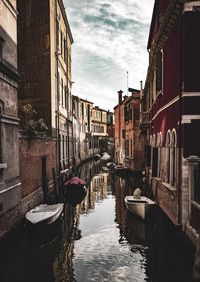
{"type": "Point", "coordinates": [10, 185]}
{"type": "Point", "coordinates": [85, 119]}
{"type": "Point", "coordinates": [119, 129]}
{"type": "Point", "coordinates": [171, 100]}
{"type": "Point", "coordinates": [99, 122]}
{"type": "Point", "coordinates": [110, 124]}
{"type": "Point", "coordinates": [134, 156]}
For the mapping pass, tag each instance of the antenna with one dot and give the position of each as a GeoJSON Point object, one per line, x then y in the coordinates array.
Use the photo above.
{"type": "Point", "coordinates": [127, 82]}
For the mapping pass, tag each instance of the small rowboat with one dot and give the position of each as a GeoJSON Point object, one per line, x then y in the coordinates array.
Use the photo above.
{"type": "Point", "coordinates": [44, 214]}
{"type": "Point", "coordinates": [139, 207]}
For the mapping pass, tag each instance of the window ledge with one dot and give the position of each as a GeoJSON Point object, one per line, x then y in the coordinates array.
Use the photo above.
{"type": "Point", "coordinates": [157, 178]}
{"type": "Point", "coordinates": [168, 186]}
{"type": "Point", "coordinates": [196, 205]}
{"type": "Point", "coordinates": [3, 165]}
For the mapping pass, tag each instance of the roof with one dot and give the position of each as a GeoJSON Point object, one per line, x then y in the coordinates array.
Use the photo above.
{"type": "Point", "coordinates": [133, 90]}
{"type": "Point", "coordinates": [153, 19]}
{"type": "Point", "coordinates": [66, 20]}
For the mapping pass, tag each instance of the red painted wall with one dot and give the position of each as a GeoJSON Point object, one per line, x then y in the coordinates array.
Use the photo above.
{"type": "Point", "coordinates": [169, 117]}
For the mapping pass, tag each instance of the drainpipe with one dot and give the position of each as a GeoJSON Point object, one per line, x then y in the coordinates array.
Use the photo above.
{"type": "Point", "coordinates": [58, 113]}
{"type": "Point", "coordinates": [181, 89]}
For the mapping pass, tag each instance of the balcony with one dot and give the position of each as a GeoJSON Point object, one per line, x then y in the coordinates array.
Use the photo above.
{"type": "Point", "coordinates": [144, 120]}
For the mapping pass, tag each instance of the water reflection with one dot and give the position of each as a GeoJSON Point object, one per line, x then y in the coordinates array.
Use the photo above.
{"type": "Point", "coordinates": [98, 240]}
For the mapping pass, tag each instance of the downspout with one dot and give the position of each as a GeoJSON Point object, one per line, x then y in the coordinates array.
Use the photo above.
{"type": "Point", "coordinates": [181, 89]}
{"type": "Point", "coordinates": [58, 113]}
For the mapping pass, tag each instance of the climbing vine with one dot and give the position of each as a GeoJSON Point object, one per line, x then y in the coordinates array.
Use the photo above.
{"type": "Point", "coordinates": [32, 126]}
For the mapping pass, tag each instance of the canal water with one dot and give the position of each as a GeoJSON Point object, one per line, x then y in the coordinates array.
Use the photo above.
{"type": "Point", "coordinates": [98, 240]}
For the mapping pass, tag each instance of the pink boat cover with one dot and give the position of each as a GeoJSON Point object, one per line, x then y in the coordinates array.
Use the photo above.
{"type": "Point", "coordinates": [75, 181]}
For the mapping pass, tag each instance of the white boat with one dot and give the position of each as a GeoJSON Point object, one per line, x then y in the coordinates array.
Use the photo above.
{"type": "Point", "coordinates": [106, 157]}
{"type": "Point", "coordinates": [44, 214]}
{"type": "Point", "coordinates": [139, 207]}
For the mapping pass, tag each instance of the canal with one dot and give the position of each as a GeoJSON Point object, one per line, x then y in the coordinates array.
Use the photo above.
{"type": "Point", "coordinates": [98, 240]}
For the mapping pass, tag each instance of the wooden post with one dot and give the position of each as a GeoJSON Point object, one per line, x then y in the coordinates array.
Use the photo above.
{"type": "Point", "coordinates": [196, 266]}
{"type": "Point", "coordinates": [55, 182]}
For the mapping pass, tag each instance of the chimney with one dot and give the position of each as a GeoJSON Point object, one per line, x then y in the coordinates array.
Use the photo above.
{"type": "Point", "coordinates": [141, 89]}
{"type": "Point", "coordinates": [120, 96]}
{"type": "Point", "coordinates": [141, 85]}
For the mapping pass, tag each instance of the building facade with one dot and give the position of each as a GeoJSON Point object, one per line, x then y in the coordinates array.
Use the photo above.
{"type": "Point", "coordinates": [119, 130]}
{"type": "Point", "coordinates": [10, 185]}
{"type": "Point", "coordinates": [171, 100]}
{"type": "Point", "coordinates": [110, 124]}
{"type": "Point", "coordinates": [44, 60]}
{"type": "Point", "coordinates": [85, 120]}
{"type": "Point", "coordinates": [99, 122]}
{"type": "Point", "coordinates": [133, 148]}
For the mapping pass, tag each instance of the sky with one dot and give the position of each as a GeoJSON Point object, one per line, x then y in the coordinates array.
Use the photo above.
{"type": "Point", "coordinates": [109, 51]}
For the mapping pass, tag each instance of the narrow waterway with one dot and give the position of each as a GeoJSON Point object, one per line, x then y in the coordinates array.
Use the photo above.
{"type": "Point", "coordinates": [98, 240]}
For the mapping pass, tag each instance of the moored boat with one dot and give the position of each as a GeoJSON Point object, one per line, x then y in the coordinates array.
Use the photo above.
{"type": "Point", "coordinates": [120, 170]}
{"type": "Point", "coordinates": [105, 158]}
{"type": "Point", "coordinates": [75, 185]}
{"type": "Point", "coordinates": [75, 190]}
{"type": "Point", "coordinates": [44, 214]}
{"type": "Point", "coordinates": [139, 207]}
{"type": "Point", "coordinates": [97, 157]}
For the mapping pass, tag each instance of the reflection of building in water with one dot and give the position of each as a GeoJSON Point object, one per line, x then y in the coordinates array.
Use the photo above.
{"type": "Point", "coordinates": [87, 170]}
{"type": "Point", "coordinates": [98, 190]}
{"type": "Point", "coordinates": [120, 195]}
{"type": "Point", "coordinates": [99, 186]}
{"type": "Point", "coordinates": [63, 265]}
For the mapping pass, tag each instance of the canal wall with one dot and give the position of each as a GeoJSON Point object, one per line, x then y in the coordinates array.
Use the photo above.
{"type": "Point", "coordinates": [37, 164]}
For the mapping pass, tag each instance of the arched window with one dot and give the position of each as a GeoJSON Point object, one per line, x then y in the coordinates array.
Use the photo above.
{"type": "Point", "coordinates": [1, 134]}
{"type": "Point", "coordinates": [154, 156]}
{"type": "Point", "coordinates": [150, 140]}
{"type": "Point", "coordinates": [159, 145]}
{"type": "Point", "coordinates": [154, 140]}
{"type": "Point", "coordinates": [173, 163]}
{"type": "Point", "coordinates": [168, 143]}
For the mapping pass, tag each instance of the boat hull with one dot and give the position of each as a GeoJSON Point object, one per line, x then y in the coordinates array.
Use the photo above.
{"type": "Point", "coordinates": [139, 207]}
{"type": "Point", "coordinates": [44, 214]}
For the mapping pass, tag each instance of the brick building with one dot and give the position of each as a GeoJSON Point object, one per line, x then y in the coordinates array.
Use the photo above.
{"type": "Point", "coordinates": [119, 130]}
{"type": "Point", "coordinates": [134, 156]}
{"type": "Point", "coordinates": [44, 59]}
{"type": "Point", "coordinates": [10, 185]}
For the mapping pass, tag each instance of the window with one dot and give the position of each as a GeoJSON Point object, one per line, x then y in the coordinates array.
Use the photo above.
{"type": "Point", "coordinates": [127, 148]}
{"type": "Point", "coordinates": [131, 148]}
{"type": "Point", "coordinates": [64, 147]}
{"type": "Point", "coordinates": [82, 109]}
{"type": "Point", "coordinates": [168, 143]}
{"type": "Point", "coordinates": [62, 91]}
{"type": "Point", "coordinates": [58, 87]}
{"type": "Point", "coordinates": [1, 112]}
{"type": "Point", "coordinates": [159, 72]}
{"type": "Point", "coordinates": [1, 48]}
{"type": "Point", "coordinates": [196, 191]}
{"type": "Point", "coordinates": [173, 158]}
{"type": "Point", "coordinates": [148, 155]}
{"type": "Point", "coordinates": [123, 133]}
{"type": "Point", "coordinates": [66, 97]}
{"type": "Point", "coordinates": [159, 145]}
{"type": "Point", "coordinates": [57, 33]}
{"type": "Point", "coordinates": [65, 50]}
{"type": "Point", "coordinates": [155, 162]}
{"type": "Point", "coordinates": [61, 42]}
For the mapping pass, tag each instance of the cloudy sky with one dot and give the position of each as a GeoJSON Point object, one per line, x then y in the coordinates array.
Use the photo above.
{"type": "Point", "coordinates": [110, 38]}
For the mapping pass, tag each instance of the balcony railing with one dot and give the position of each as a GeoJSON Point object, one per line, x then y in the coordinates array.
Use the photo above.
{"type": "Point", "coordinates": [144, 120]}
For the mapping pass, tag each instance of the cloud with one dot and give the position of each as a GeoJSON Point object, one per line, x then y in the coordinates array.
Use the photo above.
{"type": "Point", "coordinates": [109, 39]}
